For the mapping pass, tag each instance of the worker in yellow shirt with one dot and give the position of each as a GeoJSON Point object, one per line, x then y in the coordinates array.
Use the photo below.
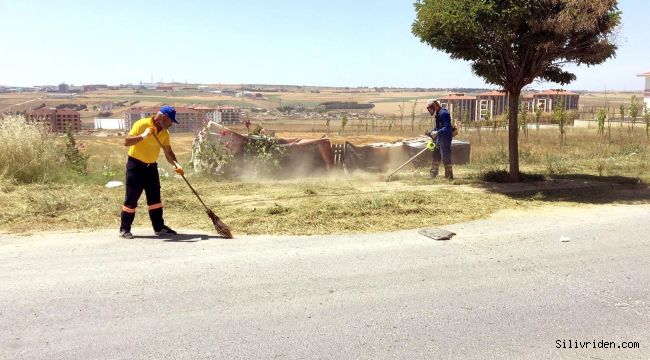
{"type": "Point", "coordinates": [142, 169]}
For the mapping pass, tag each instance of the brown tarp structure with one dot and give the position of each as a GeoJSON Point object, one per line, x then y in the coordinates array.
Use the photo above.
{"type": "Point", "coordinates": [299, 157]}
{"type": "Point", "coordinates": [385, 156]}
{"type": "Point", "coordinates": [308, 157]}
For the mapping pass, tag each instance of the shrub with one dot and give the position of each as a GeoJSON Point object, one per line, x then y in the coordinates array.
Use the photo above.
{"type": "Point", "coordinates": [557, 165]}
{"type": "Point", "coordinates": [213, 159]}
{"type": "Point", "coordinates": [263, 156]}
{"type": "Point", "coordinates": [32, 154]}
{"type": "Point", "coordinates": [74, 157]}
{"type": "Point", "coordinates": [29, 152]}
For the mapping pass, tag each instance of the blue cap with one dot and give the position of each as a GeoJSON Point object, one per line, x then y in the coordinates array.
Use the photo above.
{"type": "Point", "coordinates": [169, 111]}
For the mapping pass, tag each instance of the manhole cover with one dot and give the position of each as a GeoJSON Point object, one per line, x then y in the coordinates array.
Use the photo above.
{"type": "Point", "coordinates": [436, 233]}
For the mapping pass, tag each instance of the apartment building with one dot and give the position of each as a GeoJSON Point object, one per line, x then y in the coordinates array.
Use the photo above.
{"type": "Point", "coordinates": [491, 104]}
{"type": "Point", "coordinates": [227, 115]}
{"type": "Point", "coordinates": [57, 120]}
{"type": "Point", "coordinates": [548, 100]}
{"type": "Point", "coordinates": [460, 106]}
{"type": "Point", "coordinates": [189, 119]}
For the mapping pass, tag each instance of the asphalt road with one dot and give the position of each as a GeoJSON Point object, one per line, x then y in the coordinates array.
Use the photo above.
{"type": "Point", "coordinates": [512, 287]}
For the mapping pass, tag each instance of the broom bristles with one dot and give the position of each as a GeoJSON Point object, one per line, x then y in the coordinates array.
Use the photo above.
{"type": "Point", "coordinates": [219, 225]}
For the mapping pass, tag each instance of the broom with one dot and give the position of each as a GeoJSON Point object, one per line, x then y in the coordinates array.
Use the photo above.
{"type": "Point", "coordinates": [219, 225]}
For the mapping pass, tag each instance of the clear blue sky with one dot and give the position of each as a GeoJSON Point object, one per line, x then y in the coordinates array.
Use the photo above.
{"type": "Point", "coordinates": [328, 43]}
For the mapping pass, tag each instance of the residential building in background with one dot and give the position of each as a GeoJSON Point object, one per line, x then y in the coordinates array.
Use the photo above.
{"type": "Point", "coordinates": [490, 104]}
{"type": "Point", "coordinates": [460, 106]}
{"type": "Point", "coordinates": [189, 119]}
{"type": "Point", "coordinates": [227, 115]}
{"type": "Point", "coordinates": [548, 100]}
{"type": "Point", "coordinates": [57, 120]}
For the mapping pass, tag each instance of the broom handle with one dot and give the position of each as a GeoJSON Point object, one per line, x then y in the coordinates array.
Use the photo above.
{"type": "Point", "coordinates": [195, 193]}
{"type": "Point", "coordinates": [183, 176]}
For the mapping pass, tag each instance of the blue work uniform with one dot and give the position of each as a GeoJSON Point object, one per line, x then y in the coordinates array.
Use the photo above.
{"type": "Point", "coordinates": [443, 140]}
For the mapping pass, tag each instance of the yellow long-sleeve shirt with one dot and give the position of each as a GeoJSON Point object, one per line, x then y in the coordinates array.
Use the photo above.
{"type": "Point", "coordinates": [148, 149]}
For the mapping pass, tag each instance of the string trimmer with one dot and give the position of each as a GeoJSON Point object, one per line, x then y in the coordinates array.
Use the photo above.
{"type": "Point", "coordinates": [429, 146]}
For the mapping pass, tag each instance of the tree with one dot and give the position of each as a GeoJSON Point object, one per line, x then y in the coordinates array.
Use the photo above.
{"type": "Point", "coordinates": [523, 116]}
{"type": "Point", "coordinates": [504, 119]}
{"type": "Point", "coordinates": [73, 153]}
{"type": "Point", "coordinates": [401, 116]}
{"type": "Point", "coordinates": [511, 43]}
{"type": "Point", "coordinates": [559, 114]}
{"type": "Point", "coordinates": [478, 130]}
{"type": "Point", "coordinates": [344, 121]}
{"type": "Point", "coordinates": [538, 117]}
{"type": "Point", "coordinates": [635, 109]}
{"type": "Point", "coordinates": [621, 110]}
{"type": "Point", "coordinates": [465, 120]}
{"type": "Point", "coordinates": [602, 116]}
{"type": "Point", "coordinates": [646, 118]}
{"type": "Point", "coordinates": [620, 128]}
{"type": "Point", "coordinates": [609, 125]}
{"type": "Point", "coordinates": [415, 104]}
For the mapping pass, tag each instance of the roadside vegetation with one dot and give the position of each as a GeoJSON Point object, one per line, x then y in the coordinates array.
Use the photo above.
{"type": "Point", "coordinates": [56, 182]}
{"type": "Point", "coordinates": [30, 154]}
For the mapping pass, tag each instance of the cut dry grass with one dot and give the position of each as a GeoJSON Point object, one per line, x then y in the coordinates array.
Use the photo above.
{"type": "Point", "coordinates": [363, 203]}
{"type": "Point", "coordinates": [305, 207]}
{"type": "Point", "coordinates": [300, 208]}
{"type": "Point", "coordinates": [336, 206]}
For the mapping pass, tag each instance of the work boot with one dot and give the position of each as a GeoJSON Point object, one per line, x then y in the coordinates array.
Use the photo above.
{"type": "Point", "coordinates": [126, 219]}
{"type": "Point", "coordinates": [156, 216]}
{"type": "Point", "coordinates": [124, 234]}
{"type": "Point", "coordinates": [449, 172]}
{"type": "Point", "coordinates": [166, 230]}
{"type": "Point", "coordinates": [434, 169]}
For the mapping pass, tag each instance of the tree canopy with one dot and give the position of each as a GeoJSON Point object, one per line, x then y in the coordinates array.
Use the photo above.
{"type": "Point", "coordinates": [511, 43]}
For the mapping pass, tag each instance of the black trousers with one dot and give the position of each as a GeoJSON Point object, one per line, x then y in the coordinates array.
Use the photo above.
{"type": "Point", "coordinates": [142, 176]}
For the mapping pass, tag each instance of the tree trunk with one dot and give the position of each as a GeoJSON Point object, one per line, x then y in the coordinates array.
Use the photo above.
{"type": "Point", "coordinates": [513, 134]}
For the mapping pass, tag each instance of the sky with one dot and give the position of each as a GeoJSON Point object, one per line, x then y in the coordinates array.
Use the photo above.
{"type": "Point", "coordinates": [282, 42]}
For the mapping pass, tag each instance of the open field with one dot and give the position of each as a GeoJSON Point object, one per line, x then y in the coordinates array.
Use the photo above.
{"type": "Point", "coordinates": [387, 104]}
